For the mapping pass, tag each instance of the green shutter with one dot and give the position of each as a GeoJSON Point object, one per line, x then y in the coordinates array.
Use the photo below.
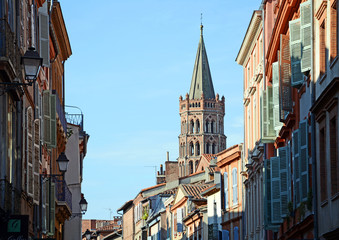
{"type": "Point", "coordinates": [275, 190]}
{"type": "Point", "coordinates": [297, 78]}
{"type": "Point", "coordinates": [306, 35]}
{"type": "Point", "coordinates": [296, 168]}
{"type": "Point", "coordinates": [44, 34]}
{"type": "Point", "coordinates": [53, 121]}
{"type": "Point", "coordinates": [275, 83]}
{"type": "Point", "coordinates": [283, 151]}
{"type": "Point", "coordinates": [303, 160]}
{"type": "Point", "coordinates": [47, 117]}
{"type": "Point", "coordinates": [52, 210]}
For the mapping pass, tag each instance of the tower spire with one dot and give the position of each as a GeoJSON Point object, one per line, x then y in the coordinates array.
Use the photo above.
{"type": "Point", "coordinates": [201, 78]}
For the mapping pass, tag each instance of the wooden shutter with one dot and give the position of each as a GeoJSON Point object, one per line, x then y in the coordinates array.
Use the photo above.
{"type": "Point", "coordinates": [53, 121]}
{"type": "Point", "coordinates": [275, 190]}
{"type": "Point", "coordinates": [30, 150]}
{"type": "Point", "coordinates": [267, 125]}
{"type": "Point", "coordinates": [276, 108]}
{"type": "Point", "coordinates": [226, 189]}
{"type": "Point", "coordinates": [267, 192]}
{"type": "Point", "coordinates": [45, 205]}
{"type": "Point", "coordinates": [47, 117]}
{"type": "Point", "coordinates": [283, 180]}
{"type": "Point", "coordinates": [306, 35]}
{"type": "Point", "coordinates": [296, 171]}
{"type": "Point", "coordinates": [303, 160]}
{"type": "Point", "coordinates": [179, 220]}
{"type": "Point", "coordinates": [297, 77]}
{"type": "Point", "coordinates": [285, 77]}
{"type": "Point", "coordinates": [36, 164]}
{"type": "Point", "coordinates": [52, 209]}
{"type": "Point", "coordinates": [235, 186]}
{"type": "Point", "coordinates": [44, 34]}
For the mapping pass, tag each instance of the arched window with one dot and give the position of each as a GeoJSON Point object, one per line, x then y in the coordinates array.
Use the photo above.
{"type": "Point", "coordinates": [206, 126]}
{"type": "Point", "coordinates": [180, 171]}
{"type": "Point", "coordinates": [198, 104]}
{"type": "Point", "coordinates": [196, 165]}
{"type": "Point", "coordinates": [235, 186]}
{"type": "Point", "coordinates": [207, 148]}
{"type": "Point", "coordinates": [197, 126]}
{"type": "Point", "coordinates": [213, 148]}
{"type": "Point", "coordinates": [197, 148]}
{"type": "Point", "coordinates": [212, 127]}
{"type": "Point", "coordinates": [191, 167]}
{"type": "Point", "coordinates": [192, 126]}
{"type": "Point", "coordinates": [191, 149]}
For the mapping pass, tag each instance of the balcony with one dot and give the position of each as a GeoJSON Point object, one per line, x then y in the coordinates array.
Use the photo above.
{"type": "Point", "coordinates": [76, 119]}
{"type": "Point", "coordinates": [9, 52]}
{"type": "Point", "coordinates": [63, 195]}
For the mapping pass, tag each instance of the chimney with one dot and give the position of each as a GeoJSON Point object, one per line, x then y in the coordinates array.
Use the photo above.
{"type": "Point", "coordinates": [167, 156]}
{"type": "Point", "coordinates": [161, 170]}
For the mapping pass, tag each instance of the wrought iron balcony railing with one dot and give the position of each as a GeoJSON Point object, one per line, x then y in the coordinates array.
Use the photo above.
{"type": "Point", "coordinates": [63, 194]}
{"type": "Point", "coordinates": [76, 119]}
{"type": "Point", "coordinates": [9, 51]}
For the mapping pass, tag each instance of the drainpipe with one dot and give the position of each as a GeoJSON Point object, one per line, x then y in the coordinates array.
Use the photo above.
{"type": "Point", "coordinates": [313, 138]}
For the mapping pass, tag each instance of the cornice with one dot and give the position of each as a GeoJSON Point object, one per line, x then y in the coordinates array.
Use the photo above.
{"type": "Point", "coordinates": [251, 32]}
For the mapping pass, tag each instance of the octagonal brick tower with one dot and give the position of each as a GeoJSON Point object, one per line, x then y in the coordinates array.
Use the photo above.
{"type": "Point", "coordinates": [202, 116]}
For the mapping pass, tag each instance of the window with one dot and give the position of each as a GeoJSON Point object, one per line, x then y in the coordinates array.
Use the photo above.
{"type": "Point", "coordinates": [197, 149]}
{"type": "Point", "coordinates": [334, 150]}
{"type": "Point", "coordinates": [206, 126]}
{"type": "Point", "coordinates": [191, 149]}
{"type": "Point", "coordinates": [191, 167]}
{"type": "Point", "coordinates": [197, 124]}
{"type": "Point", "coordinates": [213, 148]}
{"type": "Point", "coordinates": [322, 158]}
{"type": "Point", "coordinates": [235, 186]}
{"type": "Point", "coordinates": [207, 148]}
{"type": "Point", "coordinates": [322, 49]}
{"type": "Point", "coordinates": [196, 165]}
{"type": "Point", "coordinates": [192, 126]}
{"type": "Point", "coordinates": [212, 127]}
{"type": "Point", "coordinates": [236, 233]}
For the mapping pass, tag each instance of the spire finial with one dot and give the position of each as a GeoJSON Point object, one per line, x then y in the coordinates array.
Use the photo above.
{"type": "Point", "coordinates": [201, 26]}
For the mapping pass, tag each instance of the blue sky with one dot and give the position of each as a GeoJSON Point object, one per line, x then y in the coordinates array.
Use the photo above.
{"type": "Point", "coordinates": [131, 61]}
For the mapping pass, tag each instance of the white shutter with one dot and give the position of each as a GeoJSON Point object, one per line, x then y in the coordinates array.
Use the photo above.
{"type": "Point", "coordinates": [36, 163]}
{"type": "Point", "coordinates": [296, 168]}
{"type": "Point", "coordinates": [303, 160]}
{"type": "Point", "coordinates": [226, 189]}
{"type": "Point", "coordinates": [47, 117]}
{"type": "Point", "coordinates": [30, 151]}
{"type": "Point", "coordinates": [44, 34]}
{"type": "Point", "coordinates": [179, 220]}
{"type": "Point", "coordinates": [275, 190]}
{"type": "Point", "coordinates": [297, 77]}
{"type": "Point", "coordinates": [53, 121]}
{"type": "Point", "coordinates": [306, 35]}
{"type": "Point", "coordinates": [235, 186]}
{"type": "Point", "coordinates": [276, 109]}
{"type": "Point", "coordinates": [267, 125]}
{"type": "Point", "coordinates": [283, 180]}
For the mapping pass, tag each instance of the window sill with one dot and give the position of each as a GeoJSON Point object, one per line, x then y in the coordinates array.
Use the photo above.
{"type": "Point", "coordinates": [335, 196]}
{"type": "Point", "coordinates": [333, 62]}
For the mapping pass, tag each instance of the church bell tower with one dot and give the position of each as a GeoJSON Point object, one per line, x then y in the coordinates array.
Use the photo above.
{"type": "Point", "coordinates": [202, 116]}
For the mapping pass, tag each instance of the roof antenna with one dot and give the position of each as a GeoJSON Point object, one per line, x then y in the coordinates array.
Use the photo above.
{"type": "Point", "coordinates": [201, 26]}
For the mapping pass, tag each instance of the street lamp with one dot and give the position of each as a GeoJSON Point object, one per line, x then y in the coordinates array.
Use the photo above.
{"type": "Point", "coordinates": [88, 234]}
{"type": "Point", "coordinates": [83, 204]}
{"type": "Point", "coordinates": [32, 62]}
{"type": "Point", "coordinates": [62, 162]}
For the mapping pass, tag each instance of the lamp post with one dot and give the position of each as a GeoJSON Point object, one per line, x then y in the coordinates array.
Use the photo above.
{"type": "Point", "coordinates": [83, 204]}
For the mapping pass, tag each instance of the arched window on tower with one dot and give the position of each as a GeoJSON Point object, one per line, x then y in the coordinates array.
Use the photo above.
{"type": "Point", "coordinates": [220, 126]}
{"type": "Point", "coordinates": [206, 126]}
{"type": "Point", "coordinates": [197, 148]}
{"type": "Point", "coordinates": [191, 167]}
{"type": "Point", "coordinates": [197, 126]}
{"type": "Point", "coordinates": [180, 175]}
{"type": "Point", "coordinates": [213, 148]}
{"type": "Point", "coordinates": [196, 165]}
{"type": "Point", "coordinates": [207, 148]}
{"type": "Point", "coordinates": [192, 126]}
{"type": "Point", "coordinates": [191, 149]}
{"type": "Point", "coordinates": [212, 126]}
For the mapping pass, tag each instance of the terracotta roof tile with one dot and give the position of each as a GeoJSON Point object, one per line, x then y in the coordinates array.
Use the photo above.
{"type": "Point", "coordinates": [194, 190]}
{"type": "Point", "coordinates": [208, 157]}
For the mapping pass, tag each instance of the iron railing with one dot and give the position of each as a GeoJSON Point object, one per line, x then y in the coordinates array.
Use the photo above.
{"type": "Point", "coordinates": [62, 192]}
{"type": "Point", "coordinates": [9, 51]}
{"type": "Point", "coordinates": [76, 119]}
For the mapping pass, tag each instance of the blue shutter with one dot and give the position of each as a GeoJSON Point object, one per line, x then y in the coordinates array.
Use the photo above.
{"type": "Point", "coordinates": [303, 160]}
{"type": "Point", "coordinates": [236, 233]}
{"type": "Point", "coordinates": [267, 192]}
{"type": "Point", "coordinates": [283, 180]}
{"type": "Point", "coordinates": [225, 235]}
{"type": "Point", "coordinates": [296, 168]}
{"type": "Point", "coordinates": [275, 190]}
